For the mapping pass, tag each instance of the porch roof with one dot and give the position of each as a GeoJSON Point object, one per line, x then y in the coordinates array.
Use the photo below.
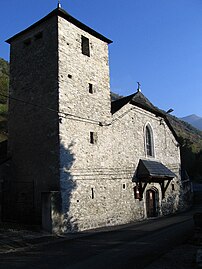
{"type": "Point", "coordinates": [153, 171]}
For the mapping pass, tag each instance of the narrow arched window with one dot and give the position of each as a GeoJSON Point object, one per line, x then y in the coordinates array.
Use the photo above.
{"type": "Point", "coordinates": [149, 142]}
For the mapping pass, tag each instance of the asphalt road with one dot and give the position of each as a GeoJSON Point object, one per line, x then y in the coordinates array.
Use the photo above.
{"type": "Point", "coordinates": [133, 246]}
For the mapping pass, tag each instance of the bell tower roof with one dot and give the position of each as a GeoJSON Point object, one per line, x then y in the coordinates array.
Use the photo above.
{"type": "Point", "coordinates": [62, 13]}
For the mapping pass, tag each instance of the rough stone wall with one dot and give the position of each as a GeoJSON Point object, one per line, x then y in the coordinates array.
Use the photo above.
{"type": "Point", "coordinates": [83, 111]}
{"type": "Point", "coordinates": [77, 70]}
{"type": "Point", "coordinates": [97, 180]}
{"type": "Point", "coordinates": [109, 172]}
{"type": "Point", "coordinates": [33, 120]}
{"type": "Point", "coordinates": [129, 125]}
{"type": "Point", "coordinates": [129, 135]}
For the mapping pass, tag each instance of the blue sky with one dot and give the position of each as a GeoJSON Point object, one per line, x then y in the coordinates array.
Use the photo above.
{"type": "Point", "coordinates": [156, 42]}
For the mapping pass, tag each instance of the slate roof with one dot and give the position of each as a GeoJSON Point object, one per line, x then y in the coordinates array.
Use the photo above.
{"type": "Point", "coordinates": [138, 99]}
{"type": "Point", "coordinates": [153, 170]}
{"type": "Point", "coordinates": [62, 13]}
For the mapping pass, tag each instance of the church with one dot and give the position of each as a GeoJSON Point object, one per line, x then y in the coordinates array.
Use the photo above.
{"type": "Point", "coordinates": [79, 160]}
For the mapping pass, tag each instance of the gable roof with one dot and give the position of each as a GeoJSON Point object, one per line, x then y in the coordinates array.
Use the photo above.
{"type": "Point", "coordinates": [138, 99]}
{"type": "Point", "coordinates": [62, 13]}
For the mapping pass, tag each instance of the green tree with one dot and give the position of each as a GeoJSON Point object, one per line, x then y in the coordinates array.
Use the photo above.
{"type": "Point", "coordinates": [4, 83]}
{"type": "Point", "coordinates": [4, 80]}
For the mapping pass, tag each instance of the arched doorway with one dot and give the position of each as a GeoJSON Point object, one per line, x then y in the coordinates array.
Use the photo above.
{"type": "Point", "coordinates": [152, 203]}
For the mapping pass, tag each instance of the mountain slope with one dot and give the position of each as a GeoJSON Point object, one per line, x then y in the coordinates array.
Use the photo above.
{"type": "Point", "coordinates": [186, 131]}
{"type": "Point", "coordinates": [194, 120]}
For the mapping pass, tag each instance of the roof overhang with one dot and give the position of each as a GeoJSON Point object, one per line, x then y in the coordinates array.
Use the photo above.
{"type": "Point", "coordinates": [152, 171]}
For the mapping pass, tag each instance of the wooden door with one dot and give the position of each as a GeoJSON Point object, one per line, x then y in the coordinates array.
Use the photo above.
{"type": "Point", "coordinates": [151, 203]}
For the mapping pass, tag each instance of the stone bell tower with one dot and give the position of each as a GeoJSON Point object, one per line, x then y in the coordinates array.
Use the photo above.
{"type": "Point", "coordinates": [59, 84]}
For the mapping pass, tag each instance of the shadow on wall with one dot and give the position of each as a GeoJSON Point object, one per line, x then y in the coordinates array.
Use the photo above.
{"type": "Point", "coordinates": [62, 219]}
{"type": "Point", "coordinates": [170, 204]}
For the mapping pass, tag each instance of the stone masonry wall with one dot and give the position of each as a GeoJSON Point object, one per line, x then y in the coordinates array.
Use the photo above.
{"type": "Point", "coordinates": [82, 162]}
{"type": "Point", "coordinates": [101, 191]}
{"type": "Point", "coordinates": [33, 120]}
{"type": "Point", "coordinates": [77, 70]}
{"type": "Point", "coordinates": [97, 179]}
{"type": "Point", "coordinates": [129, 136]}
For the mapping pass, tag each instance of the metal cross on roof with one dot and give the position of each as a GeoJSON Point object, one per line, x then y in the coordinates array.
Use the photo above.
{"type": "Point", "coordinates": [138, 86]}
{"type": "Point", "coordinates": [59, 3]}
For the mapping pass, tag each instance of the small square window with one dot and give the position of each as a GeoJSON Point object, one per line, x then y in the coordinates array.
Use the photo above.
{"type": "Point", "coordinates": [85, 46]}
{"type": "Point", "coordinates": [27, 42]}
{"type": "Point", "coordinates": [38, 36]}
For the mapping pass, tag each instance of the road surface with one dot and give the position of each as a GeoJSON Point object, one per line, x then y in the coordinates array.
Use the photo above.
{"type": "Point", "coordinates": [132, 246]}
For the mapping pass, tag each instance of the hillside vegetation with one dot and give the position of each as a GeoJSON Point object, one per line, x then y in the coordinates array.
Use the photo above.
{"type": "Point", "coordinates": [190, 139]}
{"type": "Point", "coordinates": [4, 82]}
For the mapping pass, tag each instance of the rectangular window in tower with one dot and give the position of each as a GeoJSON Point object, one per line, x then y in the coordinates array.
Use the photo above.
{"type": "Point", "coordinates": [92, 193]}
{"type": "Point", "coordinates": [85, 47]}
{"type": "Point", "coordinates": [93, 137]}
{"type": "Point", "coordinates": [90, 88]}
{"type": "Point", "coordinates": [27, 42]}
